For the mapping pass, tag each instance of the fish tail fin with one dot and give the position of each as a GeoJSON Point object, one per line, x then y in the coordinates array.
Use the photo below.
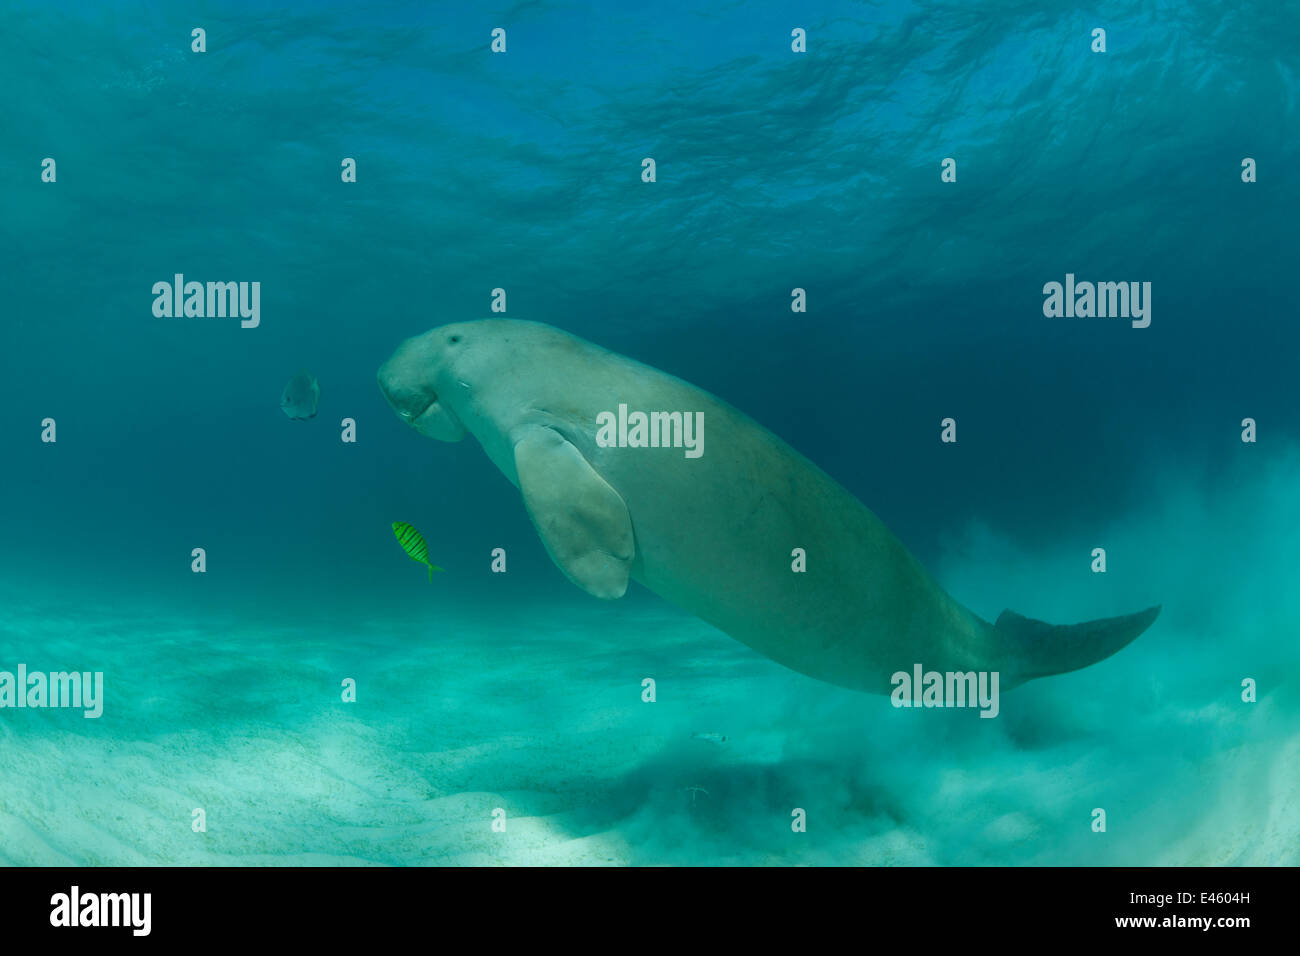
{"type": "Point", "coordinates": [1039, 649]}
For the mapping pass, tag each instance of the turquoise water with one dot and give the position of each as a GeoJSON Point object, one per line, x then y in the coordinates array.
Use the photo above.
{"type": "Point", "coordinates": [775, 170]}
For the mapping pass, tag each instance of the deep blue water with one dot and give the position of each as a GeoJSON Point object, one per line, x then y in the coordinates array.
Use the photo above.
{"type": "Point", "coordinates": [522, 170]}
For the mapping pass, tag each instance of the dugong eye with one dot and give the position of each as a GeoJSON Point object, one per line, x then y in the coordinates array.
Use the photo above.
{"type": "Point", "coordinates": [454, 339]}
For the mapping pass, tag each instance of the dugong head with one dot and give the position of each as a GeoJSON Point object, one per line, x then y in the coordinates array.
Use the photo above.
{"type": "Point", "coordinates": [419, 379]}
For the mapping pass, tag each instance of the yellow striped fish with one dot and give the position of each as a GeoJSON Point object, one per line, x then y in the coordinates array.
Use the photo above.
{"type": "Point", "coordinates": [412, 543]}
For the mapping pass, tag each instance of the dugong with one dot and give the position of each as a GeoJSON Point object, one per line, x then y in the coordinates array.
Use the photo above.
{"type": "Point", "coordinates": [712, 534]}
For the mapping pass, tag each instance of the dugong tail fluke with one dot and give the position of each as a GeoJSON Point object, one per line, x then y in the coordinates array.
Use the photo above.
{"type": "Point", "coordinates": [1041, 649]}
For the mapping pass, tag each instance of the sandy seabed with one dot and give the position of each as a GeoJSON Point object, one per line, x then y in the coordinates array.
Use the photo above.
{"type": "Point", "coordinates": [539, 712]}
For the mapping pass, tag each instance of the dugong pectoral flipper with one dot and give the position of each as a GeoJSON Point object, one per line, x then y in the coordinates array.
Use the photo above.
{"type": "Point", "coordinates": [582, 520]}
{"type": "Point", "coordinates": [1040, 649]}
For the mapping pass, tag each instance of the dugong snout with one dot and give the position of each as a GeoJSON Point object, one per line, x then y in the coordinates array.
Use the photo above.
{"type": "Point", "coordinates": [409, 383]}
